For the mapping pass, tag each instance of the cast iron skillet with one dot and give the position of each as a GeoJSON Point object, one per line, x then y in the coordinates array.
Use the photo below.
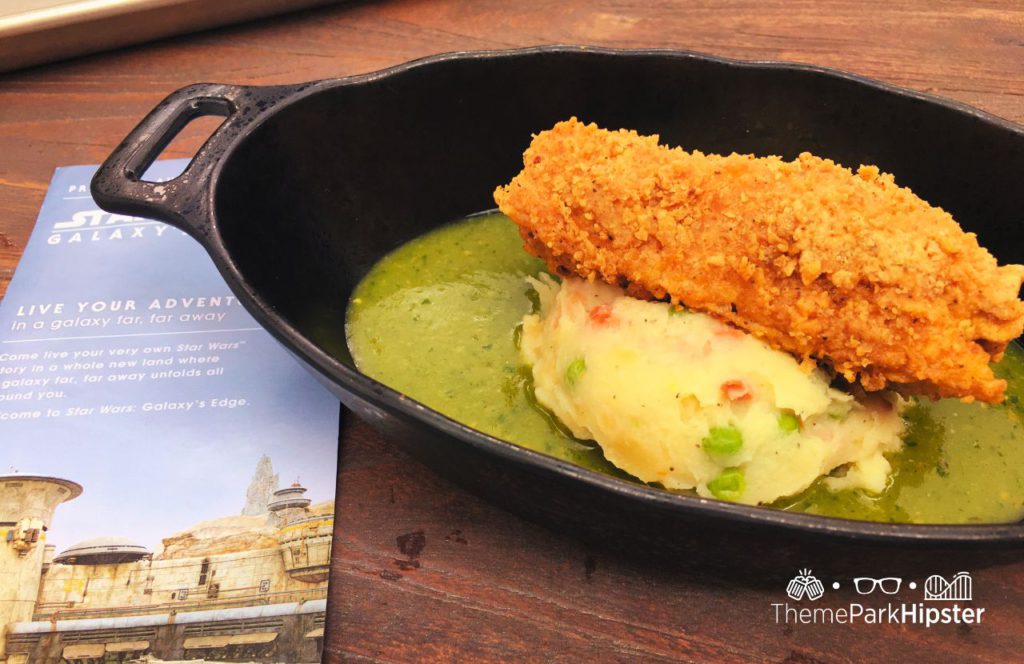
{"type": "Point", "coordinates": [304, 187]}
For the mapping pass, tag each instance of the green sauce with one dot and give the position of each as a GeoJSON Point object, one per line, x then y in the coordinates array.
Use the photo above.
{"type": "Point", "coordinates": [437, 320]}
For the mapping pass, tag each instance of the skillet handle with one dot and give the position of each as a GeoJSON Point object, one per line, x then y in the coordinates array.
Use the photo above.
{"type": "Point", "coordinates": [183, 201]}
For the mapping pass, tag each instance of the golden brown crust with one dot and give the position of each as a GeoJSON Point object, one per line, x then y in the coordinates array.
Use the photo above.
{"type": "Point", "coordinates": [846, 268]}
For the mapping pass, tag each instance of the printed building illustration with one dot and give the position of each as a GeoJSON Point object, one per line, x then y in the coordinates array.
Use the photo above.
{"type": "Point", "coordinates": [246, 588]}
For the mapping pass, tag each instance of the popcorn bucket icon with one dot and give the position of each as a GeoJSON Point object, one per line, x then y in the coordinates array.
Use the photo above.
{"type": "Point", "coordinates": [805, 585]}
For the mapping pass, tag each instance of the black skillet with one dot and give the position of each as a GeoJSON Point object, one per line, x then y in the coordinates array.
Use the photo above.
{"type": "Point", "coordinates": [304, 187]}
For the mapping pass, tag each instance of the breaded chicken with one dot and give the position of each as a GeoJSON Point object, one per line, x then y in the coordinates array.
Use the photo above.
{"type": "Point", "coordinates": [847, 269]}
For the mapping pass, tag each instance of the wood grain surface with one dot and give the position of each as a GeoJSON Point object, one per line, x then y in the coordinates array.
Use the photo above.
{"type": "Point", "coordinates": [426, 572]}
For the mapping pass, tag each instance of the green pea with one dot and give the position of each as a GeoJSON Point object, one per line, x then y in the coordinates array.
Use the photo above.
{"type": "Point", "coordinates": [722, 441]}
{"type": "Point", "coordinates": [729, 485]}
{"type": "Point", "coordinates": [838, 412]}
{"type": "Point", "coordinates": [575, 370]}
{"type": "Point", "coordinates": [788, 421]}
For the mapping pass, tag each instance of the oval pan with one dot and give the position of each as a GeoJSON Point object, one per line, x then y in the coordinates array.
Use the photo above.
{"type": "Point", "coordinates": [303, 188]}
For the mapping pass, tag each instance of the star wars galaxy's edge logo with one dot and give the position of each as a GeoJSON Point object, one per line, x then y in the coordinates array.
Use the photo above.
{"type": "Point", "coordinates": [99, 226]}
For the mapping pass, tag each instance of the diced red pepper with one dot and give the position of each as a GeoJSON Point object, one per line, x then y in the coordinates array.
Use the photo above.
{"type": "Point", "coordinates": [601, 314]}
{"type": "Point", "coordinates": [736, 390]}
{"type": "Point", "coordinates": [728, 332]}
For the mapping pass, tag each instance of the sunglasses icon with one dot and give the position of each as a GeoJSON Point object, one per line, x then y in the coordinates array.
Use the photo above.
{"type": "Point", "coordinates": [866, 585]}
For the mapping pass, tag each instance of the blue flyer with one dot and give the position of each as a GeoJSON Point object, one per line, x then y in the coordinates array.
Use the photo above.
{"type": "Point", "coordinates": [148, 425]}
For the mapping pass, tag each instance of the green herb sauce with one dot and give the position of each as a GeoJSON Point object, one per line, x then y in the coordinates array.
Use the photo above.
{"type": "Point", "coordinates": [437, 319]}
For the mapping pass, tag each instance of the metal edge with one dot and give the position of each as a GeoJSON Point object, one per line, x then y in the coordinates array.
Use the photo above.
{"type": "Point", "coordinates": [81, 27]}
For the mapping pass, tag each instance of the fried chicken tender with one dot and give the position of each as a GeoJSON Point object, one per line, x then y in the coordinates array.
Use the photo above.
{"type": "Point", "coordinates": [847, 269]}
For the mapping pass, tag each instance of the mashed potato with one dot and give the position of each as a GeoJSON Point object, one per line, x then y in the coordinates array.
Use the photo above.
{"type": "Point", "coordinates": [683, 400]}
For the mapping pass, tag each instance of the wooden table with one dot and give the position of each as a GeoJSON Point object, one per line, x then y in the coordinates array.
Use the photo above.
{"type": "Point", "coordinates": [426, 572]}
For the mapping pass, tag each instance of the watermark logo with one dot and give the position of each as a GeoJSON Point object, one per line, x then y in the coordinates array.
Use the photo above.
{"type": "Point", "coordinates": [959, 588]}
{"type": "Point", "coordinates": [955, 591]}
{"type": "Point", "coordinates": [806, 585]}
{"type": "Point", "coordinates": [865, 585]}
